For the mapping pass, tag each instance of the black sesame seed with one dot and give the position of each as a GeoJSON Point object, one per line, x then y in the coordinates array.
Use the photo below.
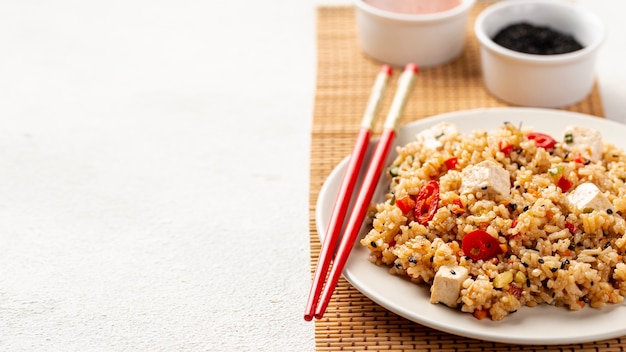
{"type": "Point", "coordinates": [540, 260]}
{"type": "Point", "coordinates": [587, 162]}
{"type": "Point", "coordinates": [452, 272]}
{"type": "Point", "coordinates": [512, 206]}
{"type": "Point", "coordinates": [398, 265]}
{"type": "Point", "coordinates": [527, 282]}
{"type": "Point", "coordinates": [373, 244]}
{"type": "Point", "coordinates": [553, 294]}
{"type": "Point", "coordinates": [609, 211]}
{"type": "Point", "coordinates": [571, 247]}
{"type": "Point", "coordinates": [518, 186]}
{"type": "Point", "coordinates": [592, 283]}
{"type": "Point", "coordinates": [432, 259]}
{"type": "Point", "coordinates": [554, 269]}
{"type": "Point", "coordinates": [467, 257]}
{"type": "Point", "coordinates": [525, 265]}
{"type": "Point", "coordinates": [483, 188]}
{"type": "Point", "coordinates": [607, 245]}
{"type": "Point", "coordinates": [412, 260]}
{"type": "Point", "coordinates": [566, 261]}
{"type": "Point", "coordinates": [585, 299]}
{"type": "Point", "coordinates": [563, 265]}
{"type": "Point", "coordinates": [526, 208]}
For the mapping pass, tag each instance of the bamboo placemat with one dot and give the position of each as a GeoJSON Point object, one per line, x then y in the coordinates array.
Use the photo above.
{"type": "Point", "coordinates": [344, 79]}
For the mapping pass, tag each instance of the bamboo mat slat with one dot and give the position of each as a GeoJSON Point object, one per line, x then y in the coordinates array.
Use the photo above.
{"type": "Point", "coordinates": [344, 79]}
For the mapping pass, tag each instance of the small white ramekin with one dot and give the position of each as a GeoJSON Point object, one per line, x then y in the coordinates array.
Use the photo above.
{"type": "Point", "coordinates": [548, 81]}
{"type": "Point", "coordinates": [424, 39]}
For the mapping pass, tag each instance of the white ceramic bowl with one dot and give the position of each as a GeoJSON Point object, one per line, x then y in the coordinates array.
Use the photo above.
{"type": "Point", "coordinates": [549, 81]}
{"type": "Point", "coordinates": [400, 38]}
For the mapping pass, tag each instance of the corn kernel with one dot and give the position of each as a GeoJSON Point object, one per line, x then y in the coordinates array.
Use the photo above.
{"type": "Point", "coordinates": [503, 279]}
{"type": "Point", "coordinates": [520, 277]}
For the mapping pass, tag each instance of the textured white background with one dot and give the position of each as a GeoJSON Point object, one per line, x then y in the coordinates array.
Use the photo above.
{"type": "Point", "coordinates": [154, 172]}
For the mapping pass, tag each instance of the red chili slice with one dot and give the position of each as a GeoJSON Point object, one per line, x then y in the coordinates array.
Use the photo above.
{"type": "Point", "coordinates": [542, 140]}
{"type": "Point", "coordinates": [571, 227]}
{"type": "Point", "coordinates": [577, 157]}
{"type": "Point", "coordinates": [451, 163]}
{"type": "Point", "coordinates": [505, 147]}
{"type": "Point", "coordinates": [406, 204]}
{"type": "Point", "coordinates": [564, 184]}
{"type": "Point", "coordinates": [426, 202]}
{"type": "Point", "coordinates": [480, 245]}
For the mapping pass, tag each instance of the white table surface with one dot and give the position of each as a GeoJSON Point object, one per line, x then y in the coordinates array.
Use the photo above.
{"type": "Point", "coordinates": [154, 160]}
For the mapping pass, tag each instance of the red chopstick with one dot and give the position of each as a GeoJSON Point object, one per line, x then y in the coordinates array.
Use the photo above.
{"type": "Point", "coordinates": [346, 188]}
{"type": "Point", "coordinates": [368, 187]}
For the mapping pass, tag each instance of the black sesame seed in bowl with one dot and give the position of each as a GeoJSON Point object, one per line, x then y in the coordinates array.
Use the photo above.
{"type": "Point", "coordinates": [527, 38]}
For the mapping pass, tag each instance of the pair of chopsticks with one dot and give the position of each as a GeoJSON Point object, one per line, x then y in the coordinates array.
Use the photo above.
{"type": "Point", "coordinates": [316, 304]}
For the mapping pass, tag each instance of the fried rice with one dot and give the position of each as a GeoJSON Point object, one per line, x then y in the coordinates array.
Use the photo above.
{"type": "Point", "coordinates": [557, 221]}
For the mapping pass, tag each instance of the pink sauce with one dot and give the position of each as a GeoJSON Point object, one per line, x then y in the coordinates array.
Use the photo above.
{"type": "Point", "coordinates": [414, 6]}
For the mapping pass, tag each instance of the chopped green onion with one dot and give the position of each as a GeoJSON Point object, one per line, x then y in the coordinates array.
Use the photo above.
{"type": "Point", "coordinates": [569, 138]}
{"type": "Point", "coordinates": [555, 170]}
{"type": "Point", "coordinates": [587, 210]}
{"type": "Point", "coordinates": [439, 135]}
{"type": "Point", "coordinates": [393, 171]}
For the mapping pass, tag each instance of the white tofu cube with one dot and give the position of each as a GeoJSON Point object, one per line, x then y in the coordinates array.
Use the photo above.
{"type": "Point", "coordinates": [586, 141]}
{"type": "Point", "coordinates": [447, 285]}
{"type": "Point", "coordinates": [587, 197]}
{"type": "Point", "coordinates": [431, 138]}
{"type": "Point", "coordinates": [486, 176]}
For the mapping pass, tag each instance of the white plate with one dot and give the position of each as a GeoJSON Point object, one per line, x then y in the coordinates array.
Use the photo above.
{"type": "Point", "coordinates": [539, 325]}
